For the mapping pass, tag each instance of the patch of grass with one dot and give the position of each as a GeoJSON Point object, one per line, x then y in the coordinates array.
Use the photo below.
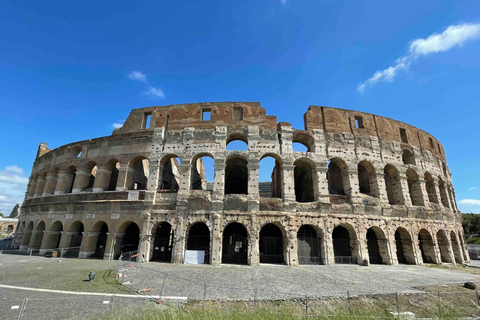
{"type": "Point", "coordinates": [461, 268]}
{"type": "Point", "coordinates": [473, 240]}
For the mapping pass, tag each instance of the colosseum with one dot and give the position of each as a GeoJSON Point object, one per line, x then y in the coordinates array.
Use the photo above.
{"type": "Point", "coordinates": [365, 190]}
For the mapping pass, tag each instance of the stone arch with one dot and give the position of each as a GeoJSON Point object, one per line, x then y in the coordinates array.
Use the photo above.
{"type": "Point", "coordinates": [199, 170]}
{"type": "Point", "coordinates": [393, 185]}
{"type": "Point", "coordinates": [336, 176]}
{"type": "Point", "coordinates": [235, 243]}
{"type": "Point", "coordinates": [101, 229]}
{"type": "Point", "coordinates": [444, 246]}
{"type": "Point", "coordinates": [414, 188]}
{"type": "Point", "coordinates": [309, 246]}
{"type": "Point", "coordinates": [345, 244]}
{"type": "Point", "coordinates": [272, 243]}
{"type": "Point", "coordinates": [404, 246]}
{"type": "Point", "coordinates": [457, 251]}
{"type": "Point", "coordinates": [236, 175]}
{"type": "Point", "coordinates": [39, 233]}
{"type": "Point", "coordinates": [367, 183]}
{"type": "Point", "coordinates": [70, 178]}
{"type": "Point", "coordinates": [111, 179]}
{"type": "Point", "coordinates": [237, 138]}
{"type": "Point", "coordinates": [163, 239]}
{"type": "Point", "coordinates": [137, 176]}
{"type": "Point", "coordinates": [130, 238]}
{"type": "Point", "coordinates": [54, 235]}
{"type": "Point", "coordinates": [305, 177]}
{"type": "Point", "coordinates": [270, 188]}
{"type": "Point", "coordinates": [198, 239]}
{"type": "Point", "coordinates": [377, 246]}
{"type": "Point", "coordinates": [75, 152]}
{"type": "Point", "coordinates": [304, 138]}
{"type": "Point", "coordinates": [170, 173]}
{"type": "Point", "coordinates": [27, 235]}
{"type": "Point", "coordinates": [443, 193]}
{"type": "Point", "coordinates": [431, 190]}
{"type": "Point", "coordinates": [408, 157]}
{"type": "Point", "coordinates": [75, 233]}
{"type": "Point", "coordinates": [427, 246]}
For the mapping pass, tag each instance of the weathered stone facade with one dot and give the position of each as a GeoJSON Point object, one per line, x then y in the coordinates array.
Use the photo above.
{"type": "Point", "coordinates": [368, 189]}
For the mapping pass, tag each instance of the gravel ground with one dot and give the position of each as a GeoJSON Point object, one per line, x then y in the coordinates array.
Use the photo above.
{"type": "Point", "coordinates": [198, 281]}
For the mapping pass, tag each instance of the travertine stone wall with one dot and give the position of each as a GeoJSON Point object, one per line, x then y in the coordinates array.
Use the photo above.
{"type": "Point", "coordinates": [409, 204]}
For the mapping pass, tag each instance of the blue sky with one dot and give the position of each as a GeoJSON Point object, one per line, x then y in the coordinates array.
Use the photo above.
{"type": "Point", "coordinates": [67, 68]}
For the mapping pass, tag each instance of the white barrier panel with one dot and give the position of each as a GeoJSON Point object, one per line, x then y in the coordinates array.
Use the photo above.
{"type": "Point", "coordinates": [194, 257]}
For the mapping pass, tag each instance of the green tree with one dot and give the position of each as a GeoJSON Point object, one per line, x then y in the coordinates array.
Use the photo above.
{"type": "Point", "coordinates": [14, 212]}
{"type": "Point", "coordinates": [1, 214]}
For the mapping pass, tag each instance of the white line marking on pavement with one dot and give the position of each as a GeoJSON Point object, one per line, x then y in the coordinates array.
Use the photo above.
{"type": "Point", "coordinates": [92, 293]}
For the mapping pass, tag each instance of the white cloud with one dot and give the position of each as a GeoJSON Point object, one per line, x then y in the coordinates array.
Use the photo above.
{"type": "Point", "coordinates": [283, 2]}
{"type": "Point", "coordinates": [156, 92]}
{"type": "Point", "coordinates": [117, 125]}
{"type": "Point", "coordinates": [451, 37]}
{"type": "Point", "coordinates": [12, 188]}
{"type": "Point", "coordinates": [472, 188]}
{"type": "Point", "coordinates": [138, 76]}
{"type": "Point", "coordinates": [472, 202]}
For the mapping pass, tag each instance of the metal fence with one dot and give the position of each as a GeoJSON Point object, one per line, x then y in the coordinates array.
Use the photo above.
{"type": "Point", "coordinates": [474, 251]}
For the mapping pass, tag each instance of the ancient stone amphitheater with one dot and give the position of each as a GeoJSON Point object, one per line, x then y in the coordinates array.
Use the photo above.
{"type": "Point", "coordinates": [366, 189]}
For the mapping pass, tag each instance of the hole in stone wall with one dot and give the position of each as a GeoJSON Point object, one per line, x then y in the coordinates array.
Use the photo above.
{"type": "Point", "coordinates": [299, 147]}
{"type": "Point", "coordinates": [392, 185]}
{"type": "Point", "coordinates": [237, 145]}
{"type": "Point", "coordinates": [341, 245]}
{"type": "Point", "coordinates": [206, 114]}
{"type": "Point", "coordinates": [170, 173]}
{"type": "Point", "coordinates": [304, 174]}
{"type": "Point", "coordinates": [163, 243]}
{"type": "Point", "coordinates": [147, 117]}
{"type": "Point", "coordinates": [202, 173]}
{"type": "Point", "coordinates": [373, 247]}
{"type": "Point", "coordinates": [236, 176]}
{"type": "Point", "coordinates": [403, 135]}
{"type": "Point", "coordinates": [308, 246]}
{"type": "Point", "coordinates": [235, 244]}
{"type": "Point", "coordinates": [414, 188]}
{"type": "Point", "coordinates": [270, 178]}
{"type": "Point", "coordinates": [425, 243]}
{"type": "Point", "coordinates": [199, 239]}
{"type": "Point", "coordinates": [408, 157]}
{"type": "Point", "coordinates": [271, 244]}
{"type": "Point", "coordinates": [358, 122]}
{"type": "Point", "coordinates": [335, 178]}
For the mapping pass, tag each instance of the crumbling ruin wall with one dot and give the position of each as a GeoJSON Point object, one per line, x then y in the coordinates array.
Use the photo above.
{"type": "Point", "coordinates": [144, 188]}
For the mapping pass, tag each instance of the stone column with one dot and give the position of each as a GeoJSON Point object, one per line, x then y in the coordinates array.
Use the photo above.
{"type": "Point", "coordinates": [123, 174]}
{"type": "Point", "coordinates": [32, 239]}
{"type": "Point", "coordinates": [89, 241]}
{"type": "Point", "coordinates": [49, 241]}
{"type": "Point", "coordinates": [253, 193]}
{"type": "Point", "coordinates": [67, 238]}
{"type": "Point", "coordinates": [288, 183]}
{"type": "Point", "coordinates": [423, 190]}
{"type": "Point", "coordinates": [381, 187]}
{"type": "Point", "coordinates": [50, 184]}
{"type": "Point", "coordinates": [323, 194]}
{"type": "Point", "coordinates": [154, 177]}
{"type": "Point", "coordinates": [405, 191]}
{"type": "Point", "coordinates": [253, 243]}
{"type": "Point", "coordinates": [109, 246]}
{"type": "Point", "coordinates": [178, 253]}
{"type": "Point", "coordinates": [32, 185]}
{"type": "Point", "coordinates": [39, 188]}
{"type": "Point", "coordinates": [82, 179]}
{"type": "Point", "coordinates": [218, 185]}
{"type": "Point", "coordinates": [216, 241]}
{"type": "Point", "coordinates": [350, 185]}
{"type": "Point", "coordinates": [102, 180]}
{"type": "Point", "coordinates": [327, 248]}
{"type": "Point", "coordinates": [292, 248]}
{"type": "Point", "coordinates": [117, 248]}
{"type": "Point", "coordinates": [64, 182]}
{"type": "Point", "coordinates": [437, 193]}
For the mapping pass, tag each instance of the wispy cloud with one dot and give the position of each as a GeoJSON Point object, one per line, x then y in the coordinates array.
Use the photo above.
{"type": "Point", "coordinates": [137, 76]}
{"type": "Point", "coordinates": [453, 36]}
{"type": "Point", "coordinates": [117, 125]}
{"type": "Point", "coordinates": [471, 202]}
{"type": "Point", "coordinates": [155, 92]}
{"type": "Point", "coordinates": [472, 188]}
{"type": "Point", "coordinates": [283, 2]}
{"type": "Point", "coordinates": [12, 188]}
{"type": "Point", "coordinates": [151, 91]}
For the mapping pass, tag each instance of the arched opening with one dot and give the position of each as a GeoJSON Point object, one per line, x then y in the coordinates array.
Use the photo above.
{"type": "Point", "coordinates": [199, 240]}
{"type": "Point", "coordinates": [70, 181]}
{"type": "Point", "coordinates": [88, 187]}
{"type": "Point", "coordinates": [304, 177]}
{"type": "Point", "coordinates": [130, 239]}
{"type": "Point", "coordinates": [37, 242]}
{"type": "Point", "coordinates": [54, 235]}
{"type": "Point", "coordinates": [335, 176]}
{"type": "Point", "coordinates": [237, 142]}
{"type": "Point", "coordinates": [101, 242]}
{"type": "Point", "coordinates": [137, 180]}
{"type": "Point", "coordinates": [41, 184]}
{"type": "Point", "coordinates": [27, 235]}
{"type": "Point", "coordinates": [444, 246]}
{"type": "Point", "coordinates": [342, 246]}
{"type": "Point", "coordinates": [51, 184]}
{"type": "Point", "coordinates": [76, 237]}
{"type": "Point", "coordinates": [235, 244]}
{"type": "Point", "coordinates": [430, 186]}
{"type": "Point", "coordinates": [377, 246]}
{"type": "Point", "coordinates": [202, 173]}
{"type": "Point", "coordinates": [309, 249]}
{"type": "Point", "coordinates": [393, 186]}
{"type": "Point", "coordinates": [366, 178]}
{"type": "Point", "coordinates": [452, 199]}
{"type": "Point", "coordinates": [457, 252]}
{"type": "Point", "coordinates": [443, 193]}
{"type": "Point", "coordinates": [113, 166]}
{"type": "Point", "coordinates": [414, 188]}
{"type": "Point", "coordinates": [404, 246]}
{"type": "Point", "coordinates": [408, 157]}
{"type": "Point", "coordinates": [303, 141]}
{"type": "Point", "coordinates": [236, 176]}
{"type": "Point", "coordinates": [270, 177]}
{"type": "Point", "coordinates": [76, 152]}
{"type": "Point", "coordinates": [425, 243]}
{"type": "Point", "coordinates": [271, 244]}
{"type": "Point", "coordinates": [170, 179]}
{"type": "Point", "coordinates": [163, 243]}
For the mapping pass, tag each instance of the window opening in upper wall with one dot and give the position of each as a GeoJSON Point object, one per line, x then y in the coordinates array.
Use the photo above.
{"type": "Point", "coordinates": [439, 150]}
{"type": "Point", "coordinates": [206, 114]}
{"type": "Point", "coordinates": [147, 117]}
{"type": "Point", "coordinates": [237, 113]}
{"type": "Point", "coordinates": [431, 143]}
{"type": "Point", "coordinates": [403, 135]}
{"type": "Point", "coordinates": [358, 122]}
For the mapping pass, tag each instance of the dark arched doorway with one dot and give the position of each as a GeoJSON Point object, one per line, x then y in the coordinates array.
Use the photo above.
{"type": "Point", "coordinates": [404, 246]}
{"type": "Point", "coordinates": [425, 242]}
{"type": "Point", "coordinates": [101, 241]}
{"type": "Point", "coordinates": [341, 246]}
{"type": "Point", "coordinates": [373, 247]}
{"type": "Point", "coordinates": [130, 239]}
{"type": "Point", "coordinates": [199, 239]}
{"type": "Point", "coordinates": [271, 244]}
{"type": "Point", "coordinates": [235, 244]}
{"type": "Point", "coordinates": [163, 243]}
{"type": "Point", "coordinates": [308, 246]}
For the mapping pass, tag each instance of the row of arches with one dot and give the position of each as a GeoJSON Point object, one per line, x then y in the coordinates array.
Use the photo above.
{"type": "Point", "coordinates": [311, 243]}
